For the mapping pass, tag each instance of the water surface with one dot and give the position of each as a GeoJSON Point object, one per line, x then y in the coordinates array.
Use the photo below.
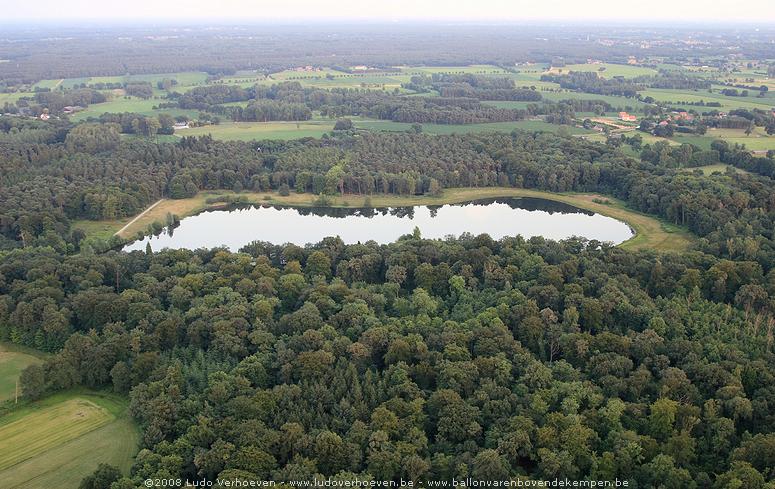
{"type": "Point", "coordinates": [498, 217]}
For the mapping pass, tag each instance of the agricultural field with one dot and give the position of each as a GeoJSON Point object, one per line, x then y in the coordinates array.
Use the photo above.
{"type": "Point", "coordinates": [50, 84]}
{"type": "Point", "coordinates": [632, 105]}
{"type": "Point", "coordinates": [327, 78]}
{"type": "Point", "coordinates": [439, 129]}
{"type": "Point", "coordinates": [251, 131]}
{"type": "Point", "coordinates": [758, 140]}
{"type": "Point", "coordinates": [675, 97]}
{"type": "Point", "coordinates": [185, 79]}
{"type": "Point", "coordinates": [13, 97]}
{"type": "Point", "coordinates": [61, 439]}
{"type": "Point", "coordinates": [14, 359]}
{"type": "Point", "coordinates": [607, 70]}
{"type": "Point", "coordinates": [129, 104]}
{"type": "Point", "coordinates": [456, 70]}
{"type": "Point", "coordinates": [614, 100]}
{"type": "Point", "coordinates": [378, 80]}
{"type": "Point", "coordinates": [711, 169]}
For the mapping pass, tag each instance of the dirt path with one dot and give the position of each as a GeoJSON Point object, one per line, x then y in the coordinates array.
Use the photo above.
{"type": "Point", "coordinates": [138, 217]}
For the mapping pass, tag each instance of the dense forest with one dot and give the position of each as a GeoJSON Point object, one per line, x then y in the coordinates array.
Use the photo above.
{"type": "Point", "coordinates": [418, 360]}
{"type": "Point", "coordinates": [56, 173]}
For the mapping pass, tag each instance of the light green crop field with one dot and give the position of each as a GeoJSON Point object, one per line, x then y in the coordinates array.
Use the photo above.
{"type": "Point", "coordinates": [611, 99]}
{"type": "Point", "coordinates": [616, 102]}
{"type": "Point", "coordinates": [58, 441]}
{"type": "Point", "coordinates": [727, 103]}
{"type": "Point", "coordinates": [608, 70]}
{"type": "Point", "coordinates": [711, 169]}
{"type": "Point", "coordinates": [327, 78]}
{"type": "Point", "coordinates": [129, 104]}
{"type": "Point", "coordinates": [438, 129]}
{"type": "Point", "coordinates": [50, 84]}
{"type": "Point", "coordinates": [13, 97]}
{"type": "Point", "coordinates": [185, 79]}
{"type": "Point", "coordinates": [454, 70]}
{"type": "Point", "coordinates": [250, 131]}
{"type": "Point", "coordinates": [508, 104]}
{"type": "Point", "coordinates": [758, 140]}
{"type": "Point", "coordinates": [14, 359]}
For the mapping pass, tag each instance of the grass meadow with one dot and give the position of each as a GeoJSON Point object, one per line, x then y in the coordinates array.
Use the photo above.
{"type": "Point", "coordinates": [58, 441]}
{"type": "Point", "coordinates": [14, 359]}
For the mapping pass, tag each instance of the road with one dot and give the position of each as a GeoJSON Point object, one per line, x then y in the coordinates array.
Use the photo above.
{"type": "Point", "coordinates": [138, 217]}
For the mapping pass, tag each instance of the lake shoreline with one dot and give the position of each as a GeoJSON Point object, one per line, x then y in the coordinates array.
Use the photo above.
{"type": "Point", "coordinates": [650, 232]}
{"type": "Point", "coordinates": [500, 217]}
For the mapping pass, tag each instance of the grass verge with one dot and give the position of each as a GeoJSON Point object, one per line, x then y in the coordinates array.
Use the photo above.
{"type": "Point", "coordinates": [650, 232]}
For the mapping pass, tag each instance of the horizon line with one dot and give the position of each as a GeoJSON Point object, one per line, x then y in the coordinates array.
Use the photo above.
{"type": "Point", "coordinates": [442, 21]}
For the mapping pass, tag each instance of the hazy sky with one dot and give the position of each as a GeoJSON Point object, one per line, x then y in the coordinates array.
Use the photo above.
{"type": "Point", "coordinates": [759, 11]}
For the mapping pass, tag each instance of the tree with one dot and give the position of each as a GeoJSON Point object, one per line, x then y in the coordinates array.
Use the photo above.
{"type": "Point", "coordinates": [93, 138]}
{"type": "Point", "coordinates": [489, 465]}
{"type": "Point", "coordinates": [434, 188]}
{"type": "Point", "coordinates": [33, 382]}
{"type": "Point", "coordinates": [102, 478]}
{"type": "Point", "coordinates": [343, 125]}
{"type": "Point", "coordinates": [318, 264]}
{"type": "Point", "coordinates": [182, 186]}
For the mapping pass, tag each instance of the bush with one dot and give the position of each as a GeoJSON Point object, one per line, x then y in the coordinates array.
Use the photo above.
{"type": "Point", "coordinates": [343, 125]}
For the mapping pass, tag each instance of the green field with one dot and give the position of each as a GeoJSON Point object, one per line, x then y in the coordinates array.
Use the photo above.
{"type": "Point", "coordinates": [608, 70]}
{"type": "Point", "coordinates": [251, 131]}
{"type": "Point", "coordinates": [59, 440]}
{"type": "Point", "coordinates": [327, 78]}
{"type": "Point", "coordinates": [14, 359]}
{"type": "Point", "coordinates": [758, 140]}
{"type": "Point", "coordinates": [188, 78]}
{"type": "Point", "coordinates": [672, 97]}
{"type": "Point", "coordinates": [13, 97]}
{"type": "Point", "coordinates": [50, 84]}
{"type": "Point", "coordinates": [129, 104]}
{"type": "Point", "coordinates": [454, 70]}
{"type": "Point", "coordinates": [439, 129]}
{"type": "Point", "coordinates": [711, 169]}
{"type": "Point", "coordinates": [636, 106]}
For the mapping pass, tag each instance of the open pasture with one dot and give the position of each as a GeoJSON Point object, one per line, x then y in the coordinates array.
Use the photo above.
{"type": "Point", "coordinates": [607, 70]}
{"type": "Point", "coordinates": [14, 359]}
{"type": "Point", "coordinates": [758, 140]}
{"type": "Point", "coordinates": [130, 104]}
{"type": "Point", "coordinates": [250, 131]}
{"type": "Point", "coordinates": [675, 97]}
{"type": "Point", "coordinates": [59, 440]}
{"type": "Point", "coordinates": [454, 70]}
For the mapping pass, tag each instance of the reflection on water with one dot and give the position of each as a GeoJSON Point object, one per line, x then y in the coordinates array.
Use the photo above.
{"type": "Point", "coordinates": [497, 217]}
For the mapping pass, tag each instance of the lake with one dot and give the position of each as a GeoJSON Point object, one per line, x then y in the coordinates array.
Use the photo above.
{"type": "Point", "coordinates": [498, 217]}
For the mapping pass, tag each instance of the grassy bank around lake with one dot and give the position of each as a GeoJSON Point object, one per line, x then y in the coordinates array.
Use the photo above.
{"type": "Point", "coordinates": [650, 232]}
